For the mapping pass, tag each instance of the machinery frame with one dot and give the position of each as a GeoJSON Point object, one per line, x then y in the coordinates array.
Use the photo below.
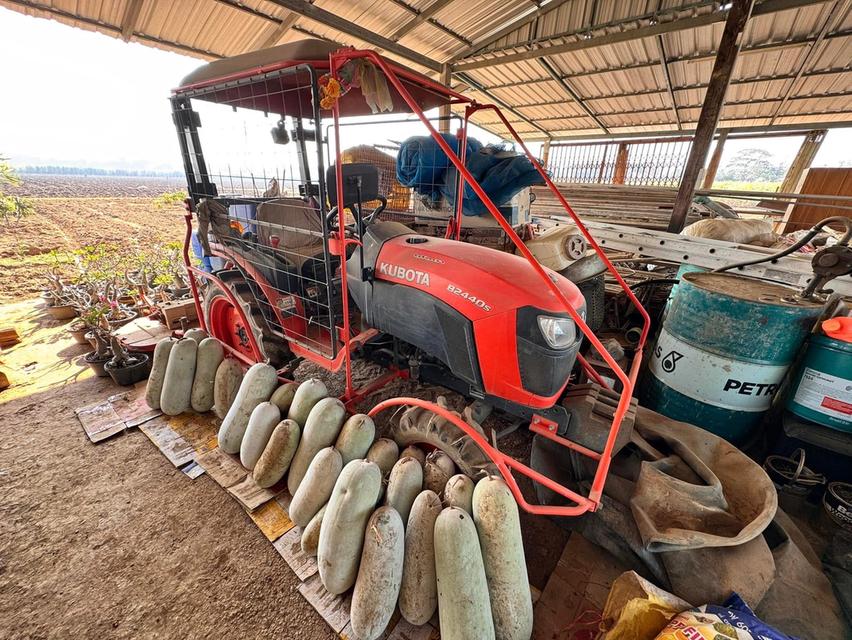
{"type": "Point", "coordinates": [335, 244]}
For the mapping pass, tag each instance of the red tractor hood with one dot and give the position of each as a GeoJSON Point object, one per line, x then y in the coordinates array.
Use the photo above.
{"type": "Point", "coordinates": [476, 280]}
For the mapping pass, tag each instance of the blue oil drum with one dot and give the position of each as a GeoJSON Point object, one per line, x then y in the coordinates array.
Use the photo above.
{"type": "Point", "coordinates": [724, 348]}
{"type": "Point", "coordinates": [822, 391]}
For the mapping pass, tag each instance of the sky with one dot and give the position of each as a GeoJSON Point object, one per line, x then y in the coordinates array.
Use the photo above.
{"type": "Point", "coordinates": [78, 98]}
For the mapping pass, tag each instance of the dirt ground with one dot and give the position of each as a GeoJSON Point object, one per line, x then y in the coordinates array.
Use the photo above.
{"type": "Point", "coordinates": [60, 225]}
{"type": "Point", "coordinates": [111, 541]}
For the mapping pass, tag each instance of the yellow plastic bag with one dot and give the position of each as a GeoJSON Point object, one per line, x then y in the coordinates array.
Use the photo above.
{"type": "Point", "coordinates": [637, 610]}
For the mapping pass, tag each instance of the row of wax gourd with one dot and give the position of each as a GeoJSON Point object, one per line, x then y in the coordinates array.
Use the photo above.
{"type": "Point", "coordinates": [401, 528]}
{"type": "Point", "coordinates": [191, 373]}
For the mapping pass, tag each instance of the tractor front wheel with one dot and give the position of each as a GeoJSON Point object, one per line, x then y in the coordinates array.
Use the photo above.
{"type": "Point", "coordinates": [226, 325]}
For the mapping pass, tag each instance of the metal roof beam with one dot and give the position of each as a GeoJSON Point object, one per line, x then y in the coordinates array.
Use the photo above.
{"type": "Point", "coordinates": [838, 11]}
{"type": "Point", "coordinates": [283, 24]}
{"type": "Point", "coordinates": [539, 50]}
{"type": "Point", "coordinates": [115, 30]}
{"type": "Point", "coordinates": [786, 129]}
{"type": "Point", "coordinates": [130, 19]}
{"type": "Point", "coordinates": [422, 16]}
{"type": "Point", "coordinates": [753, 49]}
{"type": "Point", "coordinates": [316, 14]}
{"type": "Point", "coordinates": [690, 87]}
{"type": "Point", "coordinates": [664, 65]}
{"type": "Point", "coordinates": [476, 87]}
{"type": "Point", "coordinates": [573, 94]}
{"type": "Point", "coordinates": [741, 103]}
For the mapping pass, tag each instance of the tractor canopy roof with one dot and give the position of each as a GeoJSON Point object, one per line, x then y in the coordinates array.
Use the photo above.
{"type": "Point", "coordinates": [277, 80]}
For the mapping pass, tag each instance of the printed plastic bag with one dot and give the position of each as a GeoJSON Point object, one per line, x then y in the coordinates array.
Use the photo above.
{"type": "Point", "coordinates": [733, 621]}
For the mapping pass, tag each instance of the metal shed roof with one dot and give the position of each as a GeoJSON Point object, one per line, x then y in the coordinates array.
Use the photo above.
{"type": "Point", "coordinates": [563, 67]}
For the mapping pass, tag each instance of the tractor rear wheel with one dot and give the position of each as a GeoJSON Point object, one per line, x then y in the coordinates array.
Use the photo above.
{"type": "Point", "coordinates": [225, 324]}
{"type": "Point", "coordinates": [421, 426]}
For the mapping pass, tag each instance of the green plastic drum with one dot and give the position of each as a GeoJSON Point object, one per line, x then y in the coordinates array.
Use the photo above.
{"type": "Point", "coordinates": [822, 392]}
{"type": "Point", "coordinates": [725, 346]}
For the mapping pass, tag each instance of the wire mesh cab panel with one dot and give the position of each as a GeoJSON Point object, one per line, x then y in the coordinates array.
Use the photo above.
{"type": "Point", "coordinates": [257, 184]}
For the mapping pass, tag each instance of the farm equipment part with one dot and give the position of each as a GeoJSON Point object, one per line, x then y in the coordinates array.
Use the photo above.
{"type": "Point", "coordinates": [318, 266]}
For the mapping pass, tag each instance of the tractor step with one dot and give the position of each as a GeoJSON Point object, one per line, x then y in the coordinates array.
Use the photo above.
{"type": "Point", "coordinates": [590, 409]}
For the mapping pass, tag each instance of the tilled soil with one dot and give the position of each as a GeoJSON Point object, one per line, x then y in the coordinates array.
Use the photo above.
{"type": "Point", "coordinates": [110, 541]}
{"type": "Point", "coordinates": [66, 224]}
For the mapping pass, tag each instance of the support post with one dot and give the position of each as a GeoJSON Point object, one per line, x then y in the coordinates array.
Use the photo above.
{"type": "Point", "coordinates": [444, 111]}
{"type": "Point", "coordinates": [720, 77]}
{"type": "Point", "coordinates": [715, 159]}
{"type": "Point", "coordinates": [620, 164]}
{"type": "Point", "coordinates": [802, 162]}
{"type": "Point", "coordinates": [545, 153]}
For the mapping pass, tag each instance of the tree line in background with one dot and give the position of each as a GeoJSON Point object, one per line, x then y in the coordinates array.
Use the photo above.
{"type": "Point", "coordinates": [56, 170]}
{"type": "Point", "coordinates": [752, 165]}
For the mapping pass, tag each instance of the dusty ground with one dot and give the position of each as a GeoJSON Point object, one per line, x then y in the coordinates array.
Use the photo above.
{"type": "Point", "coordinates": [28, 248]}
{"type": "Point", "coordinates": [110, 541]}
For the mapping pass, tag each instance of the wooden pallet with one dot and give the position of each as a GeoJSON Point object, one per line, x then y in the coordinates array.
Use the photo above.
{"type": "Point", "coordinates": [645, 207]}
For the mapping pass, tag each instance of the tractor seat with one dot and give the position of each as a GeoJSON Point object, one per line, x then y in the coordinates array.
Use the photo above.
{"type": "Point", "coordinates": [297, 225]}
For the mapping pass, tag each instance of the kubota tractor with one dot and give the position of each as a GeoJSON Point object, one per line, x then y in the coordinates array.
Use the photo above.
{"type": "Point", "coordinates": [279, 218]}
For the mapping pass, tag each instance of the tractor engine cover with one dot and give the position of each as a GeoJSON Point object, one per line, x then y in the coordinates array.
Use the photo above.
{"type": "Point", "coordinates": [481, 312]}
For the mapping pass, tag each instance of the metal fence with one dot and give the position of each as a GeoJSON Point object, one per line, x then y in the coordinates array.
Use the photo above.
{"type": "Point", "coordinates": [657, 162]}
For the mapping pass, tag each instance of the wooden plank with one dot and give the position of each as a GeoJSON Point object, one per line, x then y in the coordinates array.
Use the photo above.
{"type": "Point", "coordinates": [824, 182]}
{"type": "Point", "coordinates": [289, 546]}
{"type": "Point", "coordinates": [711, 109]}
{"type": "Point", "coordinates": [8, 337]}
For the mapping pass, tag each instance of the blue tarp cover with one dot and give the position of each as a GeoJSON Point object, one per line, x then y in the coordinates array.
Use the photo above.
{"type": "Point", "coordinates": [422, 165]}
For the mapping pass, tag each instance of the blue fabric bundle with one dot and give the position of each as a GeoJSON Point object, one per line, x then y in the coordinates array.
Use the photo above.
{"type": "Point", "coordinates": [500, 174]}
{"type": "Point", "coordinates": [423, 165]}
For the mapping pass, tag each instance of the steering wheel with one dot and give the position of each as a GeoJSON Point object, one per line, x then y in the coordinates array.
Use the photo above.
{"type": "Point", "coordinates": [331, 218]}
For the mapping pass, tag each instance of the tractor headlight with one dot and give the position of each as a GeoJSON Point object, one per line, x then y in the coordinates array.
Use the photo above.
{"type": "Point", "coordinates": [559, 333]}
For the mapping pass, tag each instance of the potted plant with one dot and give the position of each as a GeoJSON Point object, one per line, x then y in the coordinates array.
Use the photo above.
{"type": "Point", "coordinates": [91, 318]}
{"type": "Point", "coordinates": [78, 330]}
{"type": "Point", "coordinates": [126, 368]}
{"type": "Point", "coordinates": [60, 305]}
{"type": "Point", "coordinates": [100, 356]}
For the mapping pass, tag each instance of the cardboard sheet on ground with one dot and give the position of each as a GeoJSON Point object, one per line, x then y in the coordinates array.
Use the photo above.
{"type": "Point", "coordinates": [116, 414]}
{"type": "Point", "coordinates": [333, 609]}
{"type": "Point", "coordinates": [228, 473]}
{"type": "Point", "coordinates": [132, 408]}
{"type": "Point", "coordinates": [576, 592]}
{"type": "Point", "coordinates": [100, 421]}
{"type": "Point", "coordinates": [289, 547]}
{"type": "Point", "coordinates": [272, 520]}
{"type": "Point", "coordinates": [182, 438]}
{"type": "Point", "coordinates": [177, 450]}
{"type": "Point", "coordinates": [399, 629]}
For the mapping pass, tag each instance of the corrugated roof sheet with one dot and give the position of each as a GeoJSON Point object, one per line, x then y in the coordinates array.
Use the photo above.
{"type": "Point", "coordinates": [795, 66]}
